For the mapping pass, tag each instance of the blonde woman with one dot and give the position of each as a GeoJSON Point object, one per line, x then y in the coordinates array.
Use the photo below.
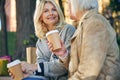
{"type": "Point", "coordinates": [94, 51]}
{"type": "Point", "coordinates": [48, 16]}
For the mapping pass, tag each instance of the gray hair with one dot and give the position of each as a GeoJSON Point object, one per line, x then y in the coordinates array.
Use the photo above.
{"type": "Point", "coordinates": [81, 5]}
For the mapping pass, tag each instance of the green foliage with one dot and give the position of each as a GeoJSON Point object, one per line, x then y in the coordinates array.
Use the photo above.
{"type": "Point", "coordinates": [3, 67]}
{"type": "Point", "coordinates": [115, 5]}
{"type": "Point", "coordinates": [118, 39]}
{"type": "Point", "coordinates": [26, 42]}
{"type": "Point", "coordinates": [31, 41]}
{"type": "Point", "coordinates": [11, 42]}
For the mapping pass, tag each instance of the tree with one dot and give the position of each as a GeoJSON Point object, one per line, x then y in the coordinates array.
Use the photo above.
{"type": "Point", "coordinates": [3, 31]}
{"type": "Point", "coordinates": [25, 26]}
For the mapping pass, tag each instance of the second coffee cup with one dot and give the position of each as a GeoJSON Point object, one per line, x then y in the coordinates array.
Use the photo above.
{"type": "Point", "coordinates": [54, 38]}
{"type": "Point", "coordinates": [15, 69]}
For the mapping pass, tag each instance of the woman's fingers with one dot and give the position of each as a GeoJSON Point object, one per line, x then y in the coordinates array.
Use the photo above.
{"type": "Point", "coordinates": [12, 76]}
{"type": "Point", "coordinates": [23, 66]}
{"type": "Point", "coordinates": [50, 46]}
{"type": "Point", "coordinates": [58, 52]}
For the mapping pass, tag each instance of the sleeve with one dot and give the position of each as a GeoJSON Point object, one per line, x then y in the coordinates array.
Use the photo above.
{"type": "Point", "coordinates": [68, 35]}
{"type": "Point", "coordinates": [41, 72]}
{"type": "Point", "coordinates": [95, 42]}
{"type": "Point", "coordinates": [67, 41]}
{"type": "Point", "coordinates": [55, 68]}
{"type": "Point", "coordinates": [49, 68]}
{"type": "Point", "coordinates": [43, 55]}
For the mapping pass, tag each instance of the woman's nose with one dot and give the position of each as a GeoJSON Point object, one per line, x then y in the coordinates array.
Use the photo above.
{"type": "Point", "coordinates": [51, 12]}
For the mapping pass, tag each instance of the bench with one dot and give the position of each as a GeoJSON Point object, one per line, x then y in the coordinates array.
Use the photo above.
{"type": "Point", "coordinates": [5, 78]}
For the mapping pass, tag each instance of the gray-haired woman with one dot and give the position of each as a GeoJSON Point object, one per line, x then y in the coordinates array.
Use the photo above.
{"type": "Point", "coordinates": [94, 51]}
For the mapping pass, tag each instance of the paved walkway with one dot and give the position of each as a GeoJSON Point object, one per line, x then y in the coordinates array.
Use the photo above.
{"type": "Point", "coordinates": [5, 78]}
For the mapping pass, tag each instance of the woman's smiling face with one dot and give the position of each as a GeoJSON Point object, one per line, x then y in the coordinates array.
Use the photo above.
{"type": "Point", "coordinates": [49, 15]}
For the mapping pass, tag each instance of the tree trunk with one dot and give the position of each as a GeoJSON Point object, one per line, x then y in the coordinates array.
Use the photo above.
{"type": "Point", "coordinates": [4, 45]}
{"type": "Point", "coordinates": [25, 26]}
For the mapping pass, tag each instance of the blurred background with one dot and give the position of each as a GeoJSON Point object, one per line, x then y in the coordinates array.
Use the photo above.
{"type": "Point", "coordinates": [17, 28]}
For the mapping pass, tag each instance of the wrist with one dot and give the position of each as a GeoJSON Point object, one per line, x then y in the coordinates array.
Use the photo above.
{"type": "Point", "coordinates": [30, 72]}
{"type": "Point", "coordinates": [41, 71]}
{"type": "Point", "coordinates": [64, 55]}
{"type": "Point", "coordinates": [35, 67]}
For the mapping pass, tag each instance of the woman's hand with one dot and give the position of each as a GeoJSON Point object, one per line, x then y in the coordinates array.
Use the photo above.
{"type": "Point", "coordinates": [28, 69]}
{"type": "Point", "coordinates": [10, 73]}
{"type": "Point", "coordinates": [61, 52]}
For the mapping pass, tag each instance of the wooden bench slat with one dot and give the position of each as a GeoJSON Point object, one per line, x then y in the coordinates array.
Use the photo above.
{"type": "Point", "coordinates": [5, 78]}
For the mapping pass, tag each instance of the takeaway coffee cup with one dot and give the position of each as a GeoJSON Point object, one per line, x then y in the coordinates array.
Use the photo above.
{"type": "Point", "coordinates": [54, 38]}
{"type": "Point", "coordinates": [15, 69]}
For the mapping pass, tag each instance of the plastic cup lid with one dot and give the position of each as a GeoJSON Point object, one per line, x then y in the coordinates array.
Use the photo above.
{"type": "Point", "coordinates": [50, 32]}
{"type": "Point", "coordinates": [13, 63]}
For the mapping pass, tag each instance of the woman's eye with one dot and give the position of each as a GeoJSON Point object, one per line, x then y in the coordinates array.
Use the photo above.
{"type": "Point", "coordinates": [54, 9]}
{"type": "Point", "coordinates": [45, 11]}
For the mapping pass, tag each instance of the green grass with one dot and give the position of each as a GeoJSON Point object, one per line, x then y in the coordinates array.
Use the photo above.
{"type": "Point", "coordinates": [11, 43]}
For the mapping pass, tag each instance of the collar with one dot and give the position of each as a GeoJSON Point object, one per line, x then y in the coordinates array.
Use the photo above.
{"type": "Point", "coordinates": [88, 14]}
{"type": "Point", "coordinates": [84, 17]}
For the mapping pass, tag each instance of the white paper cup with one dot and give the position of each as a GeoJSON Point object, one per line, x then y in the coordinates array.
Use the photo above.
{"type": "Point", "coordinates": [54, 38]}
{"type": "Point", "coordinates": [15, 69]}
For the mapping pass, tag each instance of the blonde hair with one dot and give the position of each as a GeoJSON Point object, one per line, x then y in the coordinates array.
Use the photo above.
{"type": "Point", "coordinates": [82, 5]}
{"type": "Point", "coordinates": [40, 28]}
